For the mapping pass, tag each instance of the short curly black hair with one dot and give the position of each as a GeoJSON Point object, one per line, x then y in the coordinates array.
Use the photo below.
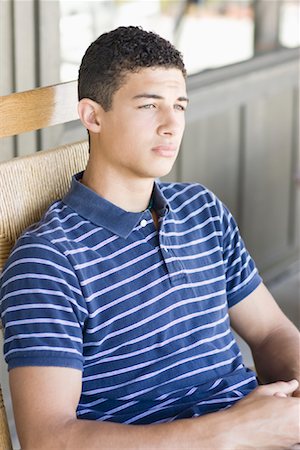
{"type": "Point", "coordinates": [126, 49]}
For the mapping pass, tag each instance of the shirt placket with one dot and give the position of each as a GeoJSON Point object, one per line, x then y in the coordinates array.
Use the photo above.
{"type": "Point", "coordinates": [170, 256]}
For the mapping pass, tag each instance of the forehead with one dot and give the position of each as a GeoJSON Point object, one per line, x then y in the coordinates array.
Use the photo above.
{"type": "Point", "coordinates": [156, 79]}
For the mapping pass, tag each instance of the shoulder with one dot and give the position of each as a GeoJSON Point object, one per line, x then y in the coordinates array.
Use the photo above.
{"type": "Point", "coordinates": [55, 218]}
{"type": "Point", "coordinates": [192, 196]}
{"type": "Point", "coordinates": [184, 191]}
{"type": "Point", "coordinates": [57, 224]}
{"type": "Point", "coordinates": [36, 246]}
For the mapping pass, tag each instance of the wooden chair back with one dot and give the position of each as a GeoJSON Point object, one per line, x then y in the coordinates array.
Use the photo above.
{"type": "Point", "coordinates": [29, 184]}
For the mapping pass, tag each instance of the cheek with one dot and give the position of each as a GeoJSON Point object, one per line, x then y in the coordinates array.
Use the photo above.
{"type": "Point", "coordinates": [182, 126]}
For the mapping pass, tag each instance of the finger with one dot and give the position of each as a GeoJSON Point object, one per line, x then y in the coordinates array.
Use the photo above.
{"type": "Point", "coordinates": [280, 387]}
{"type": "Point", "coordinates": [296, 394]}
{"type": "Point", "coordinates": [280, 394]}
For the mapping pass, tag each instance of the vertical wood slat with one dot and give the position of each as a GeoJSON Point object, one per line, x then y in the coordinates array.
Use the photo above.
{"type": "Point", "coordinates": [25, 61]}
{"type": "Point", "coordinates": [6, 61]}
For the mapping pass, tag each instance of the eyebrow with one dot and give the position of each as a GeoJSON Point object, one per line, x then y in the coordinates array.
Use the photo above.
{"type": "Point", "coordinates": [158, 97]}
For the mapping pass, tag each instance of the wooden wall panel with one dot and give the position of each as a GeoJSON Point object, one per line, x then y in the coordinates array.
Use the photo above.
{"type": "Point", "coordinates": [267, 183]}
{"type": "Point", "coordinates": [210, 155]}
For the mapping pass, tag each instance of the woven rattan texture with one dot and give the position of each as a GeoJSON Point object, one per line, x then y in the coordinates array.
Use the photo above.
{"type": "Point", "coordinates": [28, 185]}
{"type": "Point", "coordinates": [5, 441]}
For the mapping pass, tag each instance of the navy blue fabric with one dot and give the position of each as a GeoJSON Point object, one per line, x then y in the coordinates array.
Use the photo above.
{"type": "Point", "coordinates": [143, 313]}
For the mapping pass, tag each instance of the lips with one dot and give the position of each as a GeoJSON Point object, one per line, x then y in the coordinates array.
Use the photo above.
{"type": "Point", "coordinates": [167, 151]}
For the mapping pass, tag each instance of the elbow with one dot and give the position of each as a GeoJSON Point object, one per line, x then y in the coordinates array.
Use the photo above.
{"type": "Point", "coordinates": [48, 437]}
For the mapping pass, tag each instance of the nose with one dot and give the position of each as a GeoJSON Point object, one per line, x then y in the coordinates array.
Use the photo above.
{"type": "Point", "coordinates": [171, 123]}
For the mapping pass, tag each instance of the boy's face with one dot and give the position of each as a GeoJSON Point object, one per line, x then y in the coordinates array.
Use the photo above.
{"type": "Point", "coordinates": [141, 134]}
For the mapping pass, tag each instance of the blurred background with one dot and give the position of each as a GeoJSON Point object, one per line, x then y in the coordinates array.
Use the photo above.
{"type": "Point", "coordinates": [242, 132]}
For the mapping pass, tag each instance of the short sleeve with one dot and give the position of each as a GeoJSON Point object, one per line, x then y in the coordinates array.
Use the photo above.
{"type": "Point", "coordinates": [42, 307]}
{"type": "Point", "coordinates": [242, 276]}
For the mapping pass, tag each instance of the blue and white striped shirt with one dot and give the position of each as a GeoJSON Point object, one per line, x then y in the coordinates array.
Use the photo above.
{"type": "Point", "coordinates": [142, 312]}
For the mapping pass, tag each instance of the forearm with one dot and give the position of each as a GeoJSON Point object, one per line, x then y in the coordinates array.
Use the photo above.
{"type": "Point", "coordinates": [254, 422]}
{"type": "Point", "coordinates": [197, 433]}
{"type": "Point", "coordinates": [278, 356]}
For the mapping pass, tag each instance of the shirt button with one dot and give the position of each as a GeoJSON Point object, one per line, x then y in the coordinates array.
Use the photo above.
{"type": "Point", "coordinates": [143, 223]}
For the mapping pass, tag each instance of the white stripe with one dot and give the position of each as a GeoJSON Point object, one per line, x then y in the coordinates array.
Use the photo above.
{"type": "Point", "coordinates": [44, 347]}
{"type": "Point", "coordinates": [157, 372]}
{"type": "Point", "coordinates": [156, 332]}
{"type": "Point", "coordinates": [171, 355]}
{"type": "Point", "coordinates": [218, 400]}
{"type": "Point", "coordinates": [182, 191]}
{"type": "Point", "coordinates": [200, 193]}
{"type": "Point", "coordinates": [46, 224]}
{"type": "Point", "coordinates": [95, 247]}
{"type": "Point", "coordinates": [110, 413]}
{"type": "Point", "coordinates": [201, 269]}
{"type": "Point", "coordinates": [54, 208]}
{"type": "Point", "coordinates": [43, 335]}
{"type": "Point", "coordinates": [111, 256]}
{"type": "Point", "coordinates": [189, 201]}
{"type": "Point", "coordinates": [194, 213]}
{"type": "Point", "coordinates": [197, 241]}
{"type": "Point", "coordinates": [88, 405]}
{"type": "Point", "coordinates": [129, 263]}
{"type": "Point", "coordinates": [241, 269]}
{"type": "Point", "coordinates": [161, 312]}
{"type": "Point", "coordinates": [190, 230]}
{"type": "Point", "coordinates": [152, 410]}
{"type": "Point", "coordinates": [88, 233]}
{"type": "Point", "coordinates": [66, 230]}
{"type": "Point", "coordinates": [24, 307]}
{"type": "Point", "coordinates": [166, 186]}
{"type": "Point", "coordinates": [245, 282]}
{"type": "Point", "coordinates": [196, 256]}
{"type": "Point", "coordinates": [122, 283]}
{"type": "Point", "coordinates": [24, 246]}
{"type": "Point", "coordinates": [236, 248]}
{"type": "Point", "coordinates": [150, 334]}
{"type": "Point", "coordinates": [238, 385]}
{"type": "Point", "coordinates": [46, 320]}
{"type": "Point", "coordinates": [44, 262]}
{"type": "Point", "coordinates": [45, 292]}
{"type": "Point", "coordinates": [37, 276]}
{"type": "Point", "coordinates": [181, 377]}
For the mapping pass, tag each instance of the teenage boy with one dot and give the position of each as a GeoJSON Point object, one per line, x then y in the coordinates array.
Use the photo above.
{"type": "Point", "coordinates": [117, 305]}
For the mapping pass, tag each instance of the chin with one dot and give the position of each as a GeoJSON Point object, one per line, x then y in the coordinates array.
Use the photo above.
{"type": "Point", "coordinates": [163, 170]}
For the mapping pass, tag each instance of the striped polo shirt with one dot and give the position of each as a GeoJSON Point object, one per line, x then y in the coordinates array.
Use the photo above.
{"type": "Point", "coordinates": [143, 313]}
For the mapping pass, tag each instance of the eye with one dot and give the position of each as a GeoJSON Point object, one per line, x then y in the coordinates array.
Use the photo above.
{"type": "Point", "coordinates": [179, 107]}
{"type": "Point", "coordinates": [149, 106]}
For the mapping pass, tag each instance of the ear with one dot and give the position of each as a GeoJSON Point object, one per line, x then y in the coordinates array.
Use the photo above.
{"type": "Point", "coordinates": [89, 113]}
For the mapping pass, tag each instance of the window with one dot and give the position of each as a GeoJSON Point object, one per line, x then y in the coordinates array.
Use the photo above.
{"type": "Point", "coordinates": [209, 33]}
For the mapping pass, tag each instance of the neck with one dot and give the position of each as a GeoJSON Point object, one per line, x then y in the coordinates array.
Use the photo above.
{"type": "Point", "coordinates": [130, 194]}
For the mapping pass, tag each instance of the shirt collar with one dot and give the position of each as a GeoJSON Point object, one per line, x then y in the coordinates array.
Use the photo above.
{"type": "Point", "coordinates": [105, 214]}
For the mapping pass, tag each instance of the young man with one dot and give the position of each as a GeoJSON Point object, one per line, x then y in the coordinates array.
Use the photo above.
{"type": "Point", "coordinates": [117, 306]}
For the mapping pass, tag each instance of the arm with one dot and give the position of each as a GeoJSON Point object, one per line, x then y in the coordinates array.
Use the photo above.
{"type": "Point", "coordinates": [273, 339]}
{"type": "Point", "coordinates": [45, 401]}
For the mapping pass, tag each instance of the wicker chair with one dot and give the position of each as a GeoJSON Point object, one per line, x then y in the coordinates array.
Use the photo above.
{"type": "Point", "coordinates": [29, 184]}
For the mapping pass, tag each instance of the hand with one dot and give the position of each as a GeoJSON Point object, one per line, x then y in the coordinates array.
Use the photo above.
{"type": "Point", "coordinates": [268, 418]}
{"type": "Point", "coordinates": [292, 393]}
{"type": "Point", "coordinates": [296, 393]}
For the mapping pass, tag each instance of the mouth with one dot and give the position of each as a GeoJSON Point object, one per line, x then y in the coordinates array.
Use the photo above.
{"type": "Point", "coordinates": [166, 151]}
